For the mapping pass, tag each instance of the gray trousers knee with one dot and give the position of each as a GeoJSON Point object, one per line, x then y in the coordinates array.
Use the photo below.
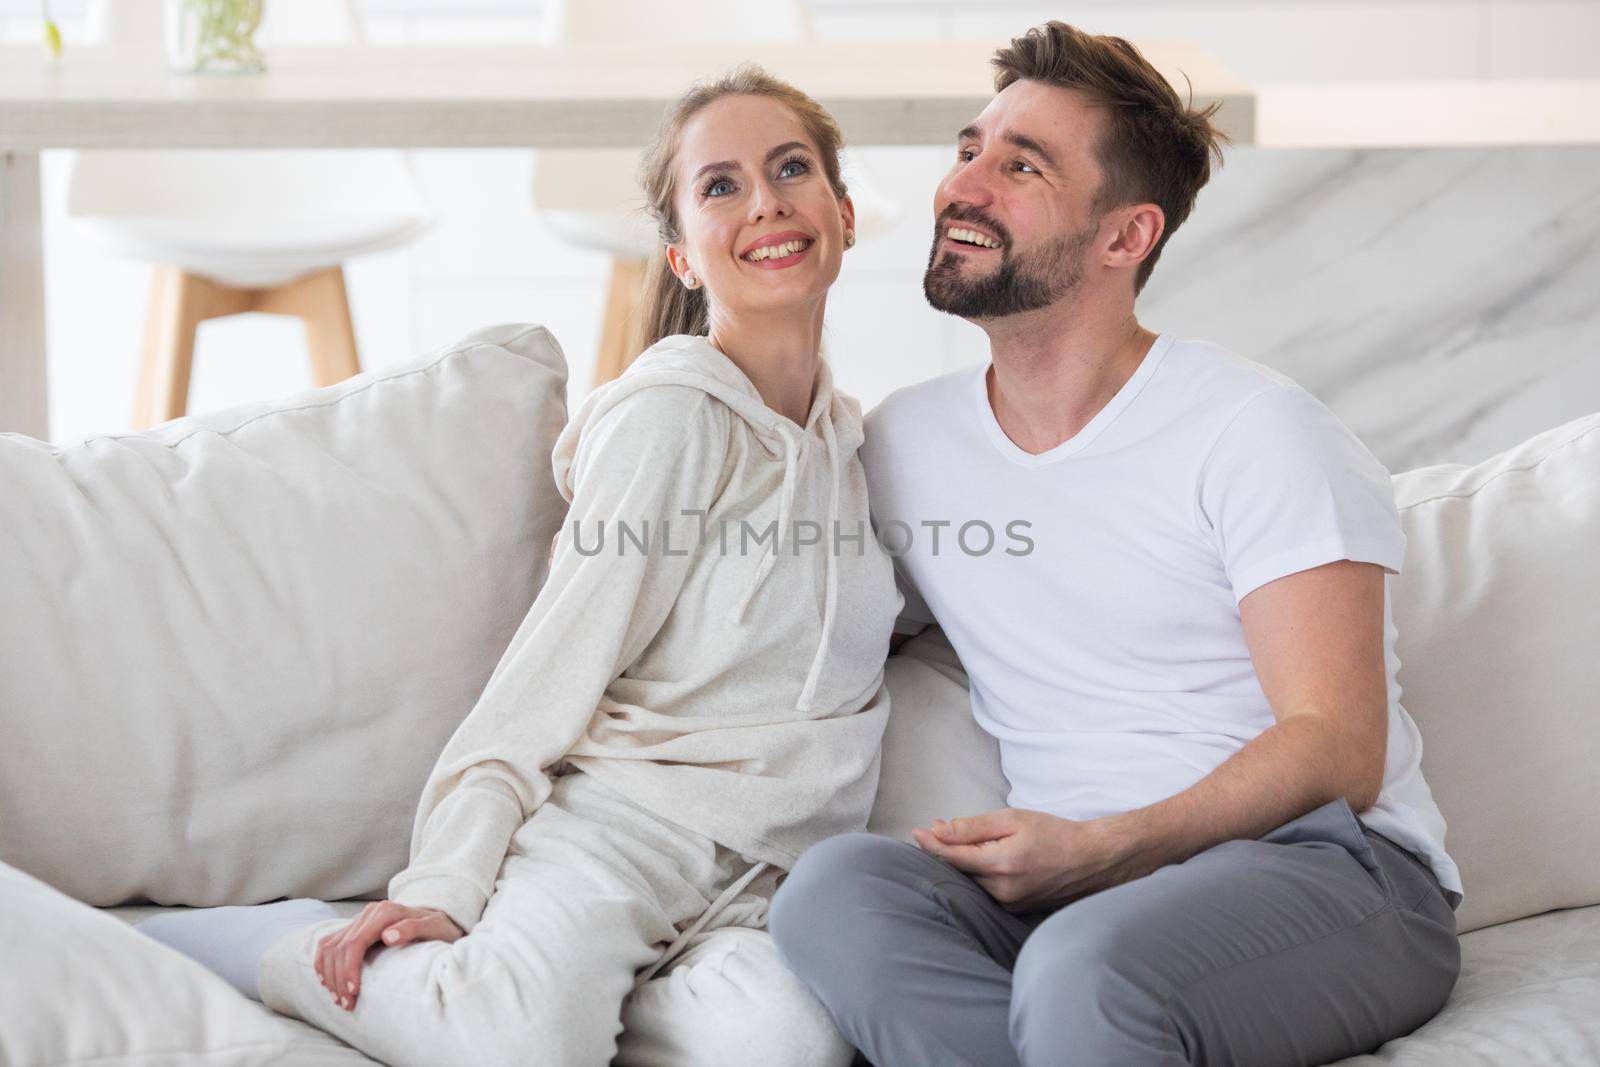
{"type": "Point", "coordinates": [1322, 939]}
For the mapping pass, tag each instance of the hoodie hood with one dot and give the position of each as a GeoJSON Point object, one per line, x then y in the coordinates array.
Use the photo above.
{"type": "Point", "coordinates": [684, 360]}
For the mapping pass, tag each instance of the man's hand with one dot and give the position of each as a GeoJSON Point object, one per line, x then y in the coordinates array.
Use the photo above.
{"type": "Point", "coordinates": [1028, 860]}
{"type": "Point", "coordinates": [342, 953]}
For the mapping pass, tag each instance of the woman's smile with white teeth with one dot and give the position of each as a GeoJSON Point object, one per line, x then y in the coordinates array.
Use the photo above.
{"type": "Point", "coordinates": [787, 248]}
{"type": "Point", "coordinates": [971, 237]}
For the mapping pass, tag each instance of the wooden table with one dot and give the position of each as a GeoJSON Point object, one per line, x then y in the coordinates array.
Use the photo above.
{"type": "Point", "coordinates": [882, 93]}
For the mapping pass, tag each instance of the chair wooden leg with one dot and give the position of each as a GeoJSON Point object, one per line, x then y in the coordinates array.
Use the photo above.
{"type": "Point", "coordinates": [322, 301]}
{"type": "Point", "coordinates": [619, 333]}
{"type": "Point", "coordinates": [186, 301]}
{"type": "Point", "coordinates": [179, 302]}
{"type": "Point", "coordinates": [162, 278]}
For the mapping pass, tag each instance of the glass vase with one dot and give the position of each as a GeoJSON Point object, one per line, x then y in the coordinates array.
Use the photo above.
{"type": "Point", "coordinates": [214, 36]}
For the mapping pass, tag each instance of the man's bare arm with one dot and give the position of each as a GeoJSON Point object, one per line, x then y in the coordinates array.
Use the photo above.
{"type": "Point", "coordinates": [1316, 640]}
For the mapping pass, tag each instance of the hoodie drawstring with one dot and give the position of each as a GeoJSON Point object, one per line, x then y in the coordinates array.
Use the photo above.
{"type": "Point", "coordinates": [830, 594]}
{"type": "Point", "coordinates": [681, 942]}
{"type": "Point", "coordinates": [830, 597]}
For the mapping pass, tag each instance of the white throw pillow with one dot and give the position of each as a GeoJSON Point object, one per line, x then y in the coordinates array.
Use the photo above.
{"type": "Point", "coordinates": [1498, 610]}
{"type": "Point", "coordinates": [79, 987]}
{"type": "Point", "coordinates": [938, 763]}
{"type": "Point", "coordinates": [232, 646]}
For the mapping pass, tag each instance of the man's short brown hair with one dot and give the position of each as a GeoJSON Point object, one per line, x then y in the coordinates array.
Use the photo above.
{"type": "Point", "coordinates": [1154, 149]}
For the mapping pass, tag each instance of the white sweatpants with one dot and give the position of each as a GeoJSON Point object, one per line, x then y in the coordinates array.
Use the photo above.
{"type": "Point", "coordinates": [591, 891]}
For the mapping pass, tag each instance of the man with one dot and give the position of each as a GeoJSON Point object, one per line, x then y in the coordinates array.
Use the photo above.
{"type": "Point", "coordinates": [1189, 662]}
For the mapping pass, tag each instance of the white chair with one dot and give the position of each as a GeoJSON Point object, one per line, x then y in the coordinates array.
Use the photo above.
{"type": "Point", "coordinates": [228, 232]}
{"type": "Point", "coordinates": [591, 197]}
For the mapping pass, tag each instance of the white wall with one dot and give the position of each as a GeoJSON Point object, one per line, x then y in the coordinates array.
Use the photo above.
{"type": "Point", "coordinates": [490, 260]}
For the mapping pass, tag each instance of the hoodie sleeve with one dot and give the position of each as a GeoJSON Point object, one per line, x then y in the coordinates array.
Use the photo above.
{"type": "Point", "coordinates": [651, 455]}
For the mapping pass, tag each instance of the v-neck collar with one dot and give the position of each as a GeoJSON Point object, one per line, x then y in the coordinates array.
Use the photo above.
{"type": "Point", "coordinates": [1091, 430]}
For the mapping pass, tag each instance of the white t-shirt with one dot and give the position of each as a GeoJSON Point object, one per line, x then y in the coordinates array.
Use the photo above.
{"type": "Point", "coordinates": [1092, 591]}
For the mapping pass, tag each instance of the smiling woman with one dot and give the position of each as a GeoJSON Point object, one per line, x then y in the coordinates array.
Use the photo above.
{"type": "Point", "coordinates": [743, 173]}
{"type": "Point", "coordinates": [594, 853]}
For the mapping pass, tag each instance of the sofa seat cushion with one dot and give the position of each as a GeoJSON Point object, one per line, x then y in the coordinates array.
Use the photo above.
{"type": "Point", "coordinates": [79, 987]}
{"type": "Point", "coordinates": [1527, 997]}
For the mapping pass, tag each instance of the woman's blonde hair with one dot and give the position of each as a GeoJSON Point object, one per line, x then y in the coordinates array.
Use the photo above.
{"type": "Point", "coordinates": [670, 308]}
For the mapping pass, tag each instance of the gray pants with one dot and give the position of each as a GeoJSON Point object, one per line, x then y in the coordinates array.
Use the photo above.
{"type": "Point", "coordinates": [1322, 939]}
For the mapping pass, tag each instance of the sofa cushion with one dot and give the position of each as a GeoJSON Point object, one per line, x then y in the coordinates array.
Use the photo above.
{"type": "Point", "coordinates": [232, 646]}
{"type": "Point", "coordinates": [1498, 609]}
{"type": "Point", "coordinates": [937, 762]}
{"type": "Point", "coordinates": [80, 987]}
{"type": "Point", "coordinates": [1526, 998]}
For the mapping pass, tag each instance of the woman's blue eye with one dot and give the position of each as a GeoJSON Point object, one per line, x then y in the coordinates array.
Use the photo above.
{"type": "Point", "coordinates": [711, 190]}
{"type": "Point", "coordinates": [785, 172]}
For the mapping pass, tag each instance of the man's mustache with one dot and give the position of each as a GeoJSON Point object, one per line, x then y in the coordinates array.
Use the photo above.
{"type": "Point", "coordinates": [976, 217]}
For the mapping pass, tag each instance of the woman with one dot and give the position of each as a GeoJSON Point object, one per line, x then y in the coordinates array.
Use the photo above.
{"type": "Point", "coordinates": [694, 699]}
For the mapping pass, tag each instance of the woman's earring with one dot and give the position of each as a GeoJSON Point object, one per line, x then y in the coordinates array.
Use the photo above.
{"type": "Point", "coordinates": [849, 238]}
{"type": "Point", "coordinates": [690, 281]}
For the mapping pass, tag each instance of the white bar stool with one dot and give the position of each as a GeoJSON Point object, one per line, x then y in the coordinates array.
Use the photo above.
{"type": "Point", "coordinates": [229, 232]}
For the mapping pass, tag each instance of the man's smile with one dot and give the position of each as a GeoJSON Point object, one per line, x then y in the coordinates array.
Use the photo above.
{"type": "Point", "coordinates": [971, 238]}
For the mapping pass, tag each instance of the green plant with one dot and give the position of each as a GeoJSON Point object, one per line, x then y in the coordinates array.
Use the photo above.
{"type": "Point", "coordinates": [224, 31]}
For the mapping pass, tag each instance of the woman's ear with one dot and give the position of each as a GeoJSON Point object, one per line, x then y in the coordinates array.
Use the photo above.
{"type": "Point", "coordinates": [847, 211]}
{"type": "Point", "coordinates": [677, 262]}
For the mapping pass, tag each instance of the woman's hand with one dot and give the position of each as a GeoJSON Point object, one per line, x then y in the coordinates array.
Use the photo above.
{"type": "Point", "coordinates": [341, 954]}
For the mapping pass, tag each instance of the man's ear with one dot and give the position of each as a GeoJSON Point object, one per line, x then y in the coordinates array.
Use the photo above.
{"type": "Point", "coordinates": [1139, 229]}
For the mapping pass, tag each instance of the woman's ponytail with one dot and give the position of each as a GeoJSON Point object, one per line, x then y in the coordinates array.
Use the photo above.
{"type": "Point", "coordinates": [669, 307]}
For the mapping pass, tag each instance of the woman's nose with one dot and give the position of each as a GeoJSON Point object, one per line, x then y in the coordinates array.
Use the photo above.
{"type": "Point", "coordinates": [767, 202]}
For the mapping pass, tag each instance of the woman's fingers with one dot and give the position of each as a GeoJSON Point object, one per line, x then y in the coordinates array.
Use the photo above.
{"type": "Point", "coordinates": [333, 967]}
{"type": "Point", "coordinates": [341, 955]}
{"type": "Point", "coordinates": [404, 932]}
{"type": "Point", "coordinates": [351, 951]}
{"type": "Point", "coordinates": [421, 925]}
{"type": "Point", "coordinates": [330, 959]}
{"type": "Point", "coordinates": [324, 962]}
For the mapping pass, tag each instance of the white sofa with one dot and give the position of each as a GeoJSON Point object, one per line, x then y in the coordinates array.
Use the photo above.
{"type": "Point", "coordinates": [231, 646]}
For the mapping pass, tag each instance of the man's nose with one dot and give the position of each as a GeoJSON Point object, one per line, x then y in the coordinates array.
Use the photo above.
{"type": "Point", "coordinates": [970, 184]}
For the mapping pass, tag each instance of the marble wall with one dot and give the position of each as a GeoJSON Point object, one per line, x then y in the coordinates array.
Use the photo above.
{"type": "Point", "coordinates": [1445, 303]}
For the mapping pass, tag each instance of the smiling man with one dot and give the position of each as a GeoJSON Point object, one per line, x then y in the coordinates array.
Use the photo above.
{"type": "Point", "coordinates": [1219, 846]}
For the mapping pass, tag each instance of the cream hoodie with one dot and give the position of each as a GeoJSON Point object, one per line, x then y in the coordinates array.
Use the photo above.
{"type": "Point", "coordinates": [734, 686]}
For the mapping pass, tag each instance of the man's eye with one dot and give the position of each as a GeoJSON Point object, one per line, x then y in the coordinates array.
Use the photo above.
{"type": "Point", "coordinates": [1020, 165]}
{"type": "Point", "coordinates": [964, 154]}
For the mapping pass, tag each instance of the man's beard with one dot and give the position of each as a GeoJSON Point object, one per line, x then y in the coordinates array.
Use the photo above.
{"type": "Point", "coordinates": [1025, 282]}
